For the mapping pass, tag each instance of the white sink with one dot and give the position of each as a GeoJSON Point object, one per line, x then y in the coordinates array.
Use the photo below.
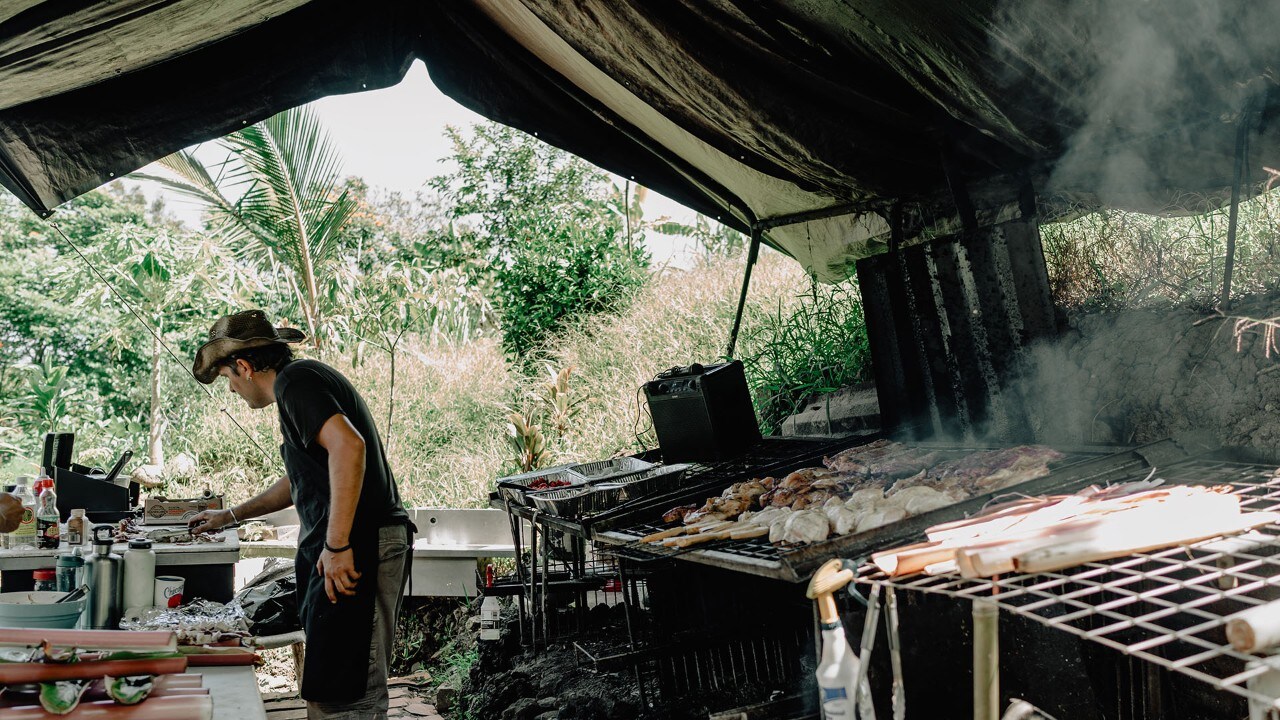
{"type": "Point", "coordinates": [451, 545]}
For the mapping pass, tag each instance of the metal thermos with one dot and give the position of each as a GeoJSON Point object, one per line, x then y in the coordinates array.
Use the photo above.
{"type": "Point", "coordinates": [102, 573]}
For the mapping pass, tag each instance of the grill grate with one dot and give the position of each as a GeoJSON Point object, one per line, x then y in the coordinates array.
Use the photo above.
{"type": "Point", "coordinates": [759, 556]}
{"type": "Point", "coordinates": [1166, 607]}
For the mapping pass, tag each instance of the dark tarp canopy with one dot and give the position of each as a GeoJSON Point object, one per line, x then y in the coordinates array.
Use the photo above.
{"type": "Point", "coordinates": [745, 110]}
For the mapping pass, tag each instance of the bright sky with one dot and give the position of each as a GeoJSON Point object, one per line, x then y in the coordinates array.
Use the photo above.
{"type": "Point", "coordinates": [394, 139]}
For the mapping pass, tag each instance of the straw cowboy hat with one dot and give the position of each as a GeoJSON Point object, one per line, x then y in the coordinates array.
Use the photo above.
{"type": "Point", "coordinates": [233, 333]}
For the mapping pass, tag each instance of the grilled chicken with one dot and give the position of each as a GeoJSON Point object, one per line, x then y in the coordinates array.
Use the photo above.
{"type": "Point", "coordinates": [864, 498]}
{"type": "Point", "coordinates": [849, 491]}
{"type": "Point", "coordinates": [883, 514]}
{"type": "Point", "coordinates": [806, 526]}
{"type": "Point", "coordinates": [920, 499]}
{"type": "Point", "coordinates": [778, 526]}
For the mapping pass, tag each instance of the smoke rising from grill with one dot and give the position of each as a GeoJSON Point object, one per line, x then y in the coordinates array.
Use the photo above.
{"type": "Point", "coordinates": [1151, 91]}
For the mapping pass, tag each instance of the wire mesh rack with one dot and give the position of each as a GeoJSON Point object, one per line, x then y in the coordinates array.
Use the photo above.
{"type": "Point", "coordinates": [759, 556]}
{"type": "Point", "coordinates": [1168, 607]}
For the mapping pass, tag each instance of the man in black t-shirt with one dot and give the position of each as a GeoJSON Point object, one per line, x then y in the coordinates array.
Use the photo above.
{"type": "Point", "coordinates": [353, 546]}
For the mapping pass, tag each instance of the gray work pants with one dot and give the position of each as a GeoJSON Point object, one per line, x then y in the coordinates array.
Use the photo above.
{"type": "Point", "coordinates": [393, 570]}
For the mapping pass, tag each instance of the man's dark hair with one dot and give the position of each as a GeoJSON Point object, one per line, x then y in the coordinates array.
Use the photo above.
{"type": "Point", "coordinates": [265, 357]}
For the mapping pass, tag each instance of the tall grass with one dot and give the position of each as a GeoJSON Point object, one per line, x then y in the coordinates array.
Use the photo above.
{"type": "Point", "coordinates": [681, 317]}
{"type": "Point", "coordinates": [450, 431]}
{"type": "Point", "coordinates": [800, 350]}
{"type": "Point", "coordinates": [1112, 259]}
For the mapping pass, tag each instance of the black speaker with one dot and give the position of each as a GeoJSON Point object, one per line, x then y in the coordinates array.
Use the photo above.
{"type": "Point", "coordinates": [702, 413]}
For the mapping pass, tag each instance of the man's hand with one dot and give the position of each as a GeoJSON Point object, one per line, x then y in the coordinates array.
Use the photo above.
{"type": "Point", "coordinates": [210, 520]}
{"type": "Point", "coordinates": [339, 571]}
{"type": "Point", "coordinates": [10, 512]}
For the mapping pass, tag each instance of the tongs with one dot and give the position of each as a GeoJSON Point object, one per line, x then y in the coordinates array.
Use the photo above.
{"type": "Point", "coordinates": [865, 708]}
{"type": "Point", "coordinates": [73, 595]}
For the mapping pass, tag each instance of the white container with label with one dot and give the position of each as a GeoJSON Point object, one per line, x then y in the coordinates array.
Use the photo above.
{"type": "Point", "coordinates": [490, 618]}
{"type": "Point", "coordinates": [139, 575]}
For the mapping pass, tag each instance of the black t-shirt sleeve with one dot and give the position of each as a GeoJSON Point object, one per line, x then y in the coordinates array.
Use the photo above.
{"type": "Point", "coordinates": [307, 402]}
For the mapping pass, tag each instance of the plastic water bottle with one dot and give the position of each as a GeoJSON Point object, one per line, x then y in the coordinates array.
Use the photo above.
{"type": "Point", "coordinates": [490, 618]}
{"type": "Point", "coordinates": [25, 535]}
{"type": "Point", "coordinates": [47, 530]}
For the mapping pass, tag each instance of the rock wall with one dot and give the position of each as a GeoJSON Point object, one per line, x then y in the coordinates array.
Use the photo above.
{"type": "Point", "coordinates": [1142, 375]}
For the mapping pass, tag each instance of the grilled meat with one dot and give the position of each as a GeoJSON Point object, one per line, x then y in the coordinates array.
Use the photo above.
{"type": "Point", "coordinates": [883, 514]}
{"type": "Point", "coordinates": [806, 526]}
{"type": "Point", "coordinates": [813, 498]}
{"type": "Point", "coordinates": [677, 514]}
{"type": "Point", "coordinates": [920, 499]}
{"type": "Point", "coordinates": [848, 492]}
{"type": "Point", "coordinates": [882, 459]}
{"type": "Point", "coordinates": [778, 526]}
{"type": "Point", "coordinates": [987, 471]}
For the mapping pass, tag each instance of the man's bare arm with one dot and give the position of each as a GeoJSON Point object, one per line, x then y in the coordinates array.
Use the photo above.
{"type": "Point", "coordinates": [346, 450]}
{"type": "Point", "coordinates": [274, 498]}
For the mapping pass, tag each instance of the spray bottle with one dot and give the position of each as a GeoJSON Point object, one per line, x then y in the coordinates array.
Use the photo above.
{"type": "Point", "coordinates": [838, 670]}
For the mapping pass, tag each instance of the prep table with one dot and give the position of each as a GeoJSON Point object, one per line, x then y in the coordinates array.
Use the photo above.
{"type": "Point", "coordinates": [234, 691]}
{"type": "Point", "coordinates": [209, 568]}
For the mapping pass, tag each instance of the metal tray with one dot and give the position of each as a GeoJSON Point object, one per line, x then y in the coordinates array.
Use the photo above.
{"type": "Point", "coordinates": [655, 480]}
{"type": "Point", "coordinates": [516, 487]}
{"type": "Point", "coordinates": [565, 502]}
{"type": "Point", "coordinates": [606, 495]}
{"type": "Point", "coordinates": [611, 492]}
{"type": "Point", "coordinates": [606, 469]}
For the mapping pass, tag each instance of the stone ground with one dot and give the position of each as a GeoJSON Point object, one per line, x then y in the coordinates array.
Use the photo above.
{"type": "Point", "coordinates": [410, 700]}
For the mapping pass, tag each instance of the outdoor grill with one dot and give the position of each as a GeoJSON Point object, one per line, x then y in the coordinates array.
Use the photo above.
{"type": "Point", "coordinates": [557, 564]}
{"type": "Point", "coordinates": [726, 621]}
{"type": "Point", "coordinates": [1166, 609]}
{"type": "Point", "coordinates": [1080, 467]}
{"type": "Point", "coordinates": [710, 636]}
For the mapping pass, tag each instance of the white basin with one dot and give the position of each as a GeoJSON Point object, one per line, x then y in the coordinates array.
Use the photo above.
{"type": "Point", "coordinates": [451, 545]}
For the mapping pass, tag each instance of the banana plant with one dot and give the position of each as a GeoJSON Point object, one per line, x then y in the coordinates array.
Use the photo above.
{"type": "Point", "coordinates": [174, 283]}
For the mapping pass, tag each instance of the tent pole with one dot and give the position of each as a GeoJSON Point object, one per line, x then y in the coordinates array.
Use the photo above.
{"type": "Point", "coordinates": [752, 254]}
{"type": "Point", "coordinates": [1242, 136]}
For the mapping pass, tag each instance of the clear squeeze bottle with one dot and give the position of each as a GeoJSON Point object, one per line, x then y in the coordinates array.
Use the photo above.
{"type": "Point", "coordinates": [25, 535]}
{"type": "Point", "coordinates": [48, 535]}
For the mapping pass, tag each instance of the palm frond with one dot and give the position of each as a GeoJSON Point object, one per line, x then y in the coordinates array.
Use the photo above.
{"type": "Point", "coordinates": [190, 178]}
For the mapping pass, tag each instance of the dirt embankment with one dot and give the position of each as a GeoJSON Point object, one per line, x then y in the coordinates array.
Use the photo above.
{"type": "Point", "coordinates": [1142, 375]}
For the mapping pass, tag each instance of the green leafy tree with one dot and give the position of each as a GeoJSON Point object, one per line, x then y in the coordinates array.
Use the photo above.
{"type": "Point", "coordinates": [40, 320]}
{"type": "Point", "coordinates": [47, 394]}
{"type": "Point", "coordinates": [555, 246]}
{"type": "Point", "coordinates": [281, 199]}
{"type": "Point", "coordinates": [175, 282]}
